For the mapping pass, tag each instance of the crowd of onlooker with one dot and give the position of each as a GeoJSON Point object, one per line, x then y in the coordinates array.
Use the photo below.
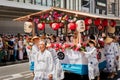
{"type": "Point", "coordinates": [12, 48]}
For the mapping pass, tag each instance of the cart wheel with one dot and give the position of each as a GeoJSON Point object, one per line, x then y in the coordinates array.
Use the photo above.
{"type": "Point", "coordinates": [61, 55]}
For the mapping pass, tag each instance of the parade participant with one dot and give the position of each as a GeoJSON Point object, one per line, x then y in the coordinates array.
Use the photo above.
{"type": "Point", "coordinates": [35, 40]}
{"type": "Point", "coordinates": [93, 70]}
{"type": "Point", "coordinates": [58, 71]}
{"type": "Point", "coordinates": [30, 56]}
{"type": "Point", "coordinates": [44, 66]}
{"type": "Point", "coordinates": [35, 50]}
{"type": "Point", "coordinates": [117, 53]}
{"type": "Point", "coordinates": [110, 56]}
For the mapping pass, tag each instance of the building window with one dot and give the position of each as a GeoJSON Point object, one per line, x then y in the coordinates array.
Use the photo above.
{"type": "Point", "coordinates": [49, 2]}
{"type": "Point", "coordinates": [39, 2]}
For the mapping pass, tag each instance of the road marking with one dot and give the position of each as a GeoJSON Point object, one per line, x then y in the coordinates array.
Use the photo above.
{"type": "Point", "coordinates": [15, 76]}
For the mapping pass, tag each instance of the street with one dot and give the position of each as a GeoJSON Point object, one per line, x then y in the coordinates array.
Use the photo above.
{"type": "Point", "coordinates": [15, 72]}
{"type": "Point", "coordinates": [21, 72]}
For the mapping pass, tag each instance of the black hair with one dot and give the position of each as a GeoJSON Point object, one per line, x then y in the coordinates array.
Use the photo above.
{"type": "Point", "coordinates": [91, 42]}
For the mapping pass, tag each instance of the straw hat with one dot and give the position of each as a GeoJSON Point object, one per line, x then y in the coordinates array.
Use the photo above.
{"type": "Point", "coordinates": [111, 29]}
{"type": "Point", "coordinates": [35, 37]}
{"type": "Point", "coordinates": [108, 40]}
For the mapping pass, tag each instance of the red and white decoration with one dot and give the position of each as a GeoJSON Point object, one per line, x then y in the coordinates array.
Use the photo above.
{"type": "Point", "coordinates": [72, 26]}
{"type": "Point", "coordinates": [41, 26]}
{"type": "Point", "coordinates": [55, 26]}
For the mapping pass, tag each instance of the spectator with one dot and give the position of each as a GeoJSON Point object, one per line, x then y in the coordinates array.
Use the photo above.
{"type": "Point", "coordinates": [20, 44]}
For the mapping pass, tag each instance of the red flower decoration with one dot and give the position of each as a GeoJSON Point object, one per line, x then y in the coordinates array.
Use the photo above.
{"type": "Point", "coordinates": [97, 22]}
{"type": "Point", "coordinates": [88, 21]}
{"type": "Point", "coordinates": [113, 23]}
{"type": "Point", "coordinates": [72, 26]}
{"type": "Point", "coordinates": [105, 23]}
{"type": "Point", "coordinates": [100, 27]}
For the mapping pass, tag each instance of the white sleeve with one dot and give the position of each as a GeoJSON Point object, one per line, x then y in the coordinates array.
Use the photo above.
{"type": "Point", "coordinates": [88, 53]}
{"type": "Point", "coordinates": [116, 50]}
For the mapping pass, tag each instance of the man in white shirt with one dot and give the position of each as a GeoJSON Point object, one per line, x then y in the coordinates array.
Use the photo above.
{"type": "Point", "coordinates": [44, 65]}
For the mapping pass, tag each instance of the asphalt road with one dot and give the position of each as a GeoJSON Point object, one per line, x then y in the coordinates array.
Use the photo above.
{"type": "Point", "coordinates": [15, 72]}
{"type": "Point", "coordinates": [21, 72]}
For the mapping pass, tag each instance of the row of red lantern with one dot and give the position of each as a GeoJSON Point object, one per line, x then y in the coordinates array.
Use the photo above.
{"type": "Point", "coordinates": [56, 26]}
{"type": "Point", "coordinates": [72, 26]}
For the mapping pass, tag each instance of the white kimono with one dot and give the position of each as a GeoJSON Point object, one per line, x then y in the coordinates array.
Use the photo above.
{"type": "Point", "coordinates": [20, 43]}
{"type": "Point", "coordinates": [58, 71]}
{"type": "Point", "coordinates": [110, 54]}
{"type": "Point", "coordinates": [93, 69]}
{"type": "Point", "coordinates": [35, 49]}
{"type": "Point", "coordinates": [31, 58]}
{"type": "Point", "coordinates": [43, 65]}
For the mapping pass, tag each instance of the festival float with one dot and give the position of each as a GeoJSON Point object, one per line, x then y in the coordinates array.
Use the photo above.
{"type": "Point", "coordinates": [70, 55]}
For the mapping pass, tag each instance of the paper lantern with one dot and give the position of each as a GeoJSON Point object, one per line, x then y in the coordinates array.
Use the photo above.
{"type": "Point", "coordinates": [97, 22]}
{"type": "Point", "coordinates": [105, 23]}
{"type": "Point", "coordinates": [28, 27]}
{"type": "Point", "coordinates": [55, 26]}
{"type": "Point", "coordinates": [88, 21]}
{"type": "Point", "coordinates": [72, 26]}
{"type": "Point", "coordinates": [41, 26]}
{"type": "Point", "coordinates": [80, 25]}
{"type": "Point", "coordinates": [100, 27]}
{"type": "Point", "coordinates": [112, 23]}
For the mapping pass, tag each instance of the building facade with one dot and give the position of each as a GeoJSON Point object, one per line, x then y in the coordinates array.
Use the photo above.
{"type": "Point", "coordinates": [10, 9]}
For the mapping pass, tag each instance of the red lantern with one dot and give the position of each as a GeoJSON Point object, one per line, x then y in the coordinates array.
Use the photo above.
{"type": "Point", "coordinates": [97, 22]}
{"type": "Point", "coordinates": [105, 23]}
{"type": "Point", "coordinates": [88, 21]}
{"type": "Point", "coordinates": [41, 26]}
{"type": "Point", "coordinates": [87, 28]}
{"type": "Point", "coordinates": [72, 26]}
{"type": "Point", "coordinates": [55, 26]}
{"type": "Point", "coordinates": [100, 27]}
{"type": "Point", "coordinates": [113, 23]}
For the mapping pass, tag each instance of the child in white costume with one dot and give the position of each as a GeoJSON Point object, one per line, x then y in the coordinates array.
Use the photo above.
{"type": "Point", "coordinates": [44, 65]}
{"type": "Point", "coordinates": [93, 69]}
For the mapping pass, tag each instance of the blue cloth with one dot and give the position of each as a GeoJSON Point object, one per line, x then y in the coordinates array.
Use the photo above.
{"type": "Point", "coordinates": [31, 66]}
{"type": "Point", "coordinates": [80, 68]}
